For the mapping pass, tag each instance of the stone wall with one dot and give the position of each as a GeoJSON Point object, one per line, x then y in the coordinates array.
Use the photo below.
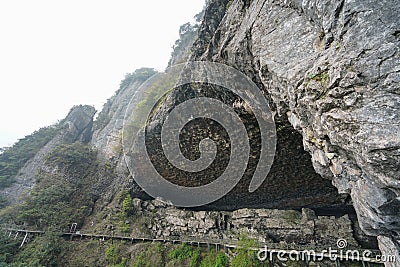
{"type": "Point", "coordinates": [331, 70]}
{"type": "Point", "coordinates": [271, 226]}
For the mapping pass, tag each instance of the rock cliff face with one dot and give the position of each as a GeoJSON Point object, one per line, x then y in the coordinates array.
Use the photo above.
{"type": "Point", "coordinates": [107, 139]}
{"type": "Point", "coordinates": [77, 126]}
{"type": "Point", "coordinates": [292, 181]}
{"type": "Point", "coordinates": [108, 126]}
{"type": "Point", "coordinates": [331, 70]}
{"type": "Point", "coordinates": [268, 226]}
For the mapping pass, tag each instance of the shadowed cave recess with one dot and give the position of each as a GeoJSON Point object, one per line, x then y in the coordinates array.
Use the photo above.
{"type": "Point", "coordinates": [329, 71]}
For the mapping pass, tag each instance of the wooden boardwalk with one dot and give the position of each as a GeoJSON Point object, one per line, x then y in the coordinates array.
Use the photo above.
{"type": "Point", "coordinates": [268, 249]}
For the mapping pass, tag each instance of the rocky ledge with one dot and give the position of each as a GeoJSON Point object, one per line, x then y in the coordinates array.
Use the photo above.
{"type": "Point", "coordinates": [331, 71]}
{"type": "Point", "coordinates": [273, 227]}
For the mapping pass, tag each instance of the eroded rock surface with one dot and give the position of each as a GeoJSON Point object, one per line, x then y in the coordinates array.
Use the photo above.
{"type": "Point", "coordinates": [332, 69]}
{"type": "Point", "coordinates": [77, 126]}
{"type": "Point", "coordinates": [269, 226]}
{"type": "Point", "coordinates": [107, 135]}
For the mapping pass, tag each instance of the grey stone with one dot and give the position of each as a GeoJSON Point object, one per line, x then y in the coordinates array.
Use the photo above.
{"type": "Point", "coordinates": [77, 126]}
{"type": "Point", "coordinates": [390, 249]}
{"type": "Point", "coordinates": [331, 68]}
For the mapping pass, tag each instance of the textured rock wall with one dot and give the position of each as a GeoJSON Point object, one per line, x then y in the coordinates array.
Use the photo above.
{"type": "Point", "coordinates": [292, 181]}
{"type": "Point", "coordinates": [108, 126]}
{"type": "Point", "coordinates": [332, 69]}
{"type": "Point", "coordinates": [77, 126]}
{"type": "Point", "coordinates": [107, 139]}
{"type": "Point", "coordinates": [271, 226]}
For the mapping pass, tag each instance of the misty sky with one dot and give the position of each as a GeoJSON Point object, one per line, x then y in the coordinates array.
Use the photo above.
{"type": "Point", "coordinates": [56, 54]}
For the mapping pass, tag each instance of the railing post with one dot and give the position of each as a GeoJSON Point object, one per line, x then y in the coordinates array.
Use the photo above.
{"type": "Point", "coordinates": [72, 229]}
{"type": "Point", "coordinates": [23, 241]}
{"type": "Point", "coordinates": [272, 260]}
{"type": "Point", "coordinates": [307, 261]}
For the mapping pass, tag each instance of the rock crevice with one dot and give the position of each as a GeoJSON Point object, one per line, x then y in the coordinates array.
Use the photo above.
{"type": "Point", "coordinates": [331, 70]}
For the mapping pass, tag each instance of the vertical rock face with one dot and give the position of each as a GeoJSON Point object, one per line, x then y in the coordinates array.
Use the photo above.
{"type": "Point", "coordinates": [292, 181]}
{"type": "Point", "coordinates": [108, 126]}
{"type": "Point", "coordinates": [107, 138]}
{"type": "Point", "coordinates": [268, 226]}
{"type": "Point", "coordinates": [77, 126]}
{"type": "Point", "coordinates": [391, 248]}
{"type": "Point", "coordinates": [331, 69]}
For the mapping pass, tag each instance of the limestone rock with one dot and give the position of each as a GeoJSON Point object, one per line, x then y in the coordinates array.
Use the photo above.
{"type": "Point", "coordinates": [331, 71]}
{"type": "Point", "coordinates": [77, 126]}
{"type": "Point", "coordinates": [390, 249]}
{"type": "Point", "coordinates": [269, 226]}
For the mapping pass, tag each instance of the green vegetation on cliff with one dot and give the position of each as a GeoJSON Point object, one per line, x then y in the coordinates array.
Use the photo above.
{"type": "Point", "coordinates": [14, 158]}
{"type": "Point", "coordinates": [245, 256]}
{"type": "Point", "coordinates": [139, 75]}
{"type": "Point", "coordinates": [59, 197]}
{"type": "Point", "coordinates": [74, 158]}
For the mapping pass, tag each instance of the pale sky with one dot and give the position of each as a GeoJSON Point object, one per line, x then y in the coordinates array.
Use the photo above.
{"type": "Point", "coordinates": [57, 53]}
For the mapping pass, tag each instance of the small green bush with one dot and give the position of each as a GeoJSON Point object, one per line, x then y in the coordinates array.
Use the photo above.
{"type": "Point", "coordinates": [42, 251]}
{"type": "Point", "coordinates": [221, 260]}
{"type": "Point", "coordinates": [184, 252]}
{"type": "Point", "coordinates": [127, 207]}
{"type": "Point", "coordinates": [141, 75]}
{"type": "Point", "coordinates": [195, 258]}
{"type": "Point", "coordinates": [113, 255]}
{"type": "Point", "coordinates": [214, 259]}
{"type": "Point", "coordinates": [245, 256]}
{"type": "Point", "coordinates": [74, 158]}
{"type": "Point", "coordinates": [181, 253]}
{"type": "Point", "coordinates": [140, 261]}
{"type": "Point", "coordinates": [152, 255]}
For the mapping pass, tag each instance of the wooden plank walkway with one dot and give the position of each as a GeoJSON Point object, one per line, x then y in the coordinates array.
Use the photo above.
{"type": "Point", "coordinates": [293, 250]}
